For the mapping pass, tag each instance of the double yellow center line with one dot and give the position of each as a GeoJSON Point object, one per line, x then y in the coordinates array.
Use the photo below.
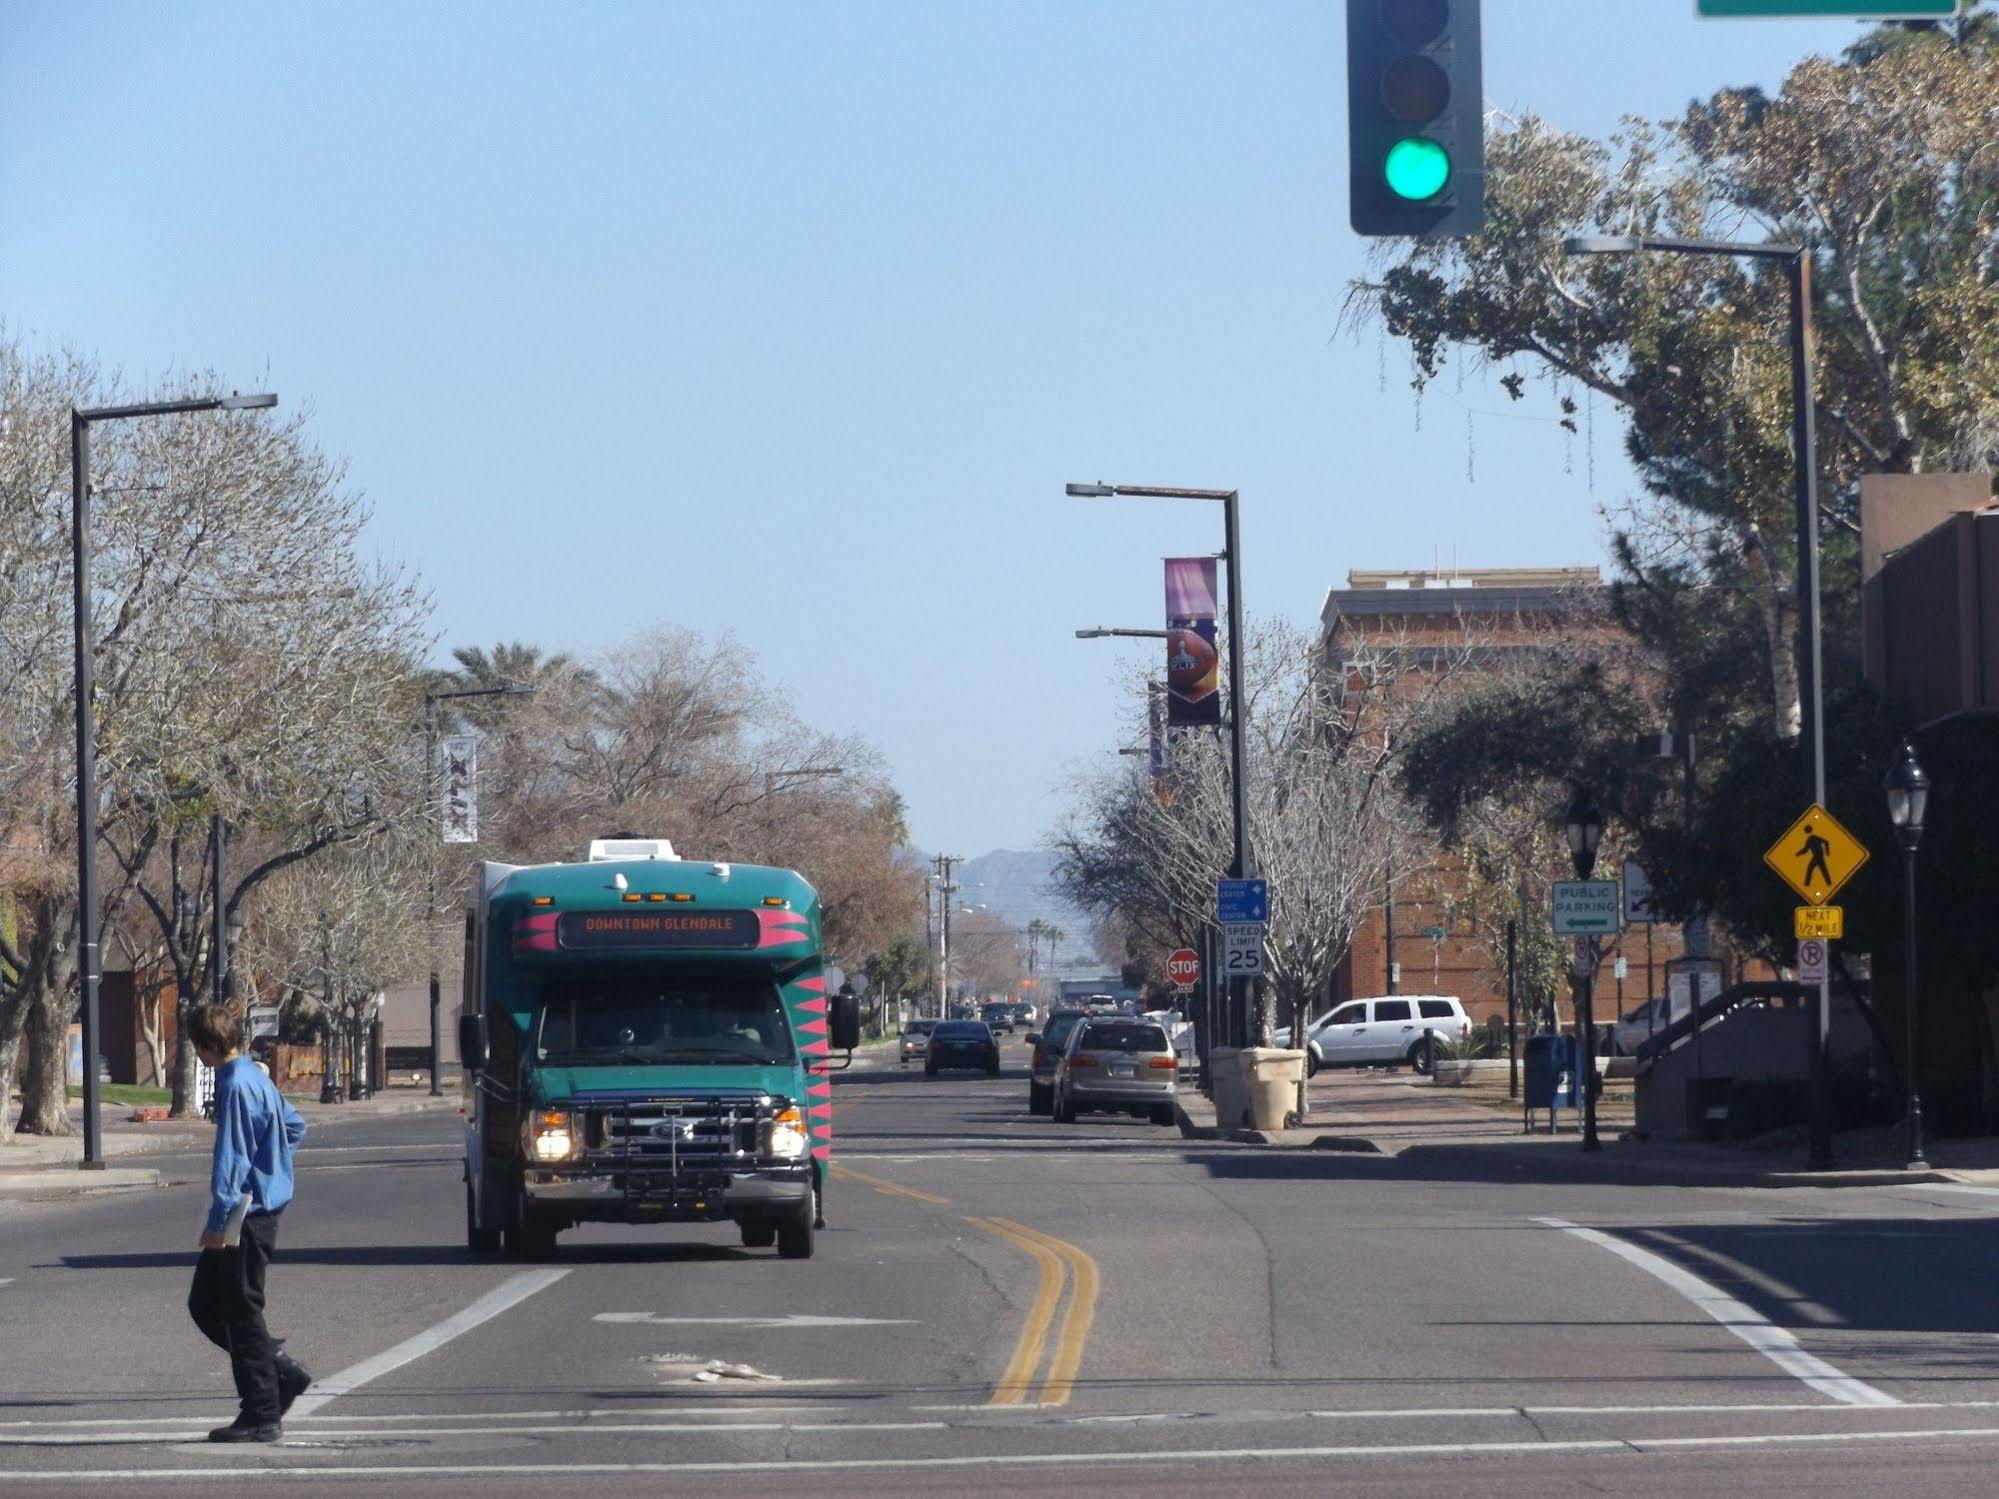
{"type": "Point", "coordinates": [1063, 1267]}
{"type": "Point", "coordinates": [1052, 1255]}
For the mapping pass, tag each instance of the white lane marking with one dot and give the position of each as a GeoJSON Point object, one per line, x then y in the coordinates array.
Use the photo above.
{"type": "Point", "coordinates": [510, 1292]}
{"type": "Point", "coordinates": [794, 1320]}
{"type": "Point", "coordinates": [723, 1407]}
{"type": "Point", "coordinates": [1964, 1187]}
{"type": "Point", "coordinates": [1775, 1343]}
{"type": "Point", "coordinates": [199, 1431]}
{"type": "Point", "coordinates": [6, 1280]}
{"type": "Point", "coordinates": [619, 1418]}
{"type": "Point", "coordinates": [997, 1461]}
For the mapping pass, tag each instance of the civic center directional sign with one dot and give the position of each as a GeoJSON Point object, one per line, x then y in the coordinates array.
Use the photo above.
{"type": "Point", "coordinates": [1242, 900]}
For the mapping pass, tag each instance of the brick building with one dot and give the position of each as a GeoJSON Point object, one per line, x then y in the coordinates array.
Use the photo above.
{"type": "Point", "coordinates": [1489, 617]}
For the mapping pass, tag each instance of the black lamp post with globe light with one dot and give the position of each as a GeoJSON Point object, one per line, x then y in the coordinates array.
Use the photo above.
{"type": "Point", "coordinates": [1583, 825]}
{"type": "Point", "coordinates": [1908, 789]}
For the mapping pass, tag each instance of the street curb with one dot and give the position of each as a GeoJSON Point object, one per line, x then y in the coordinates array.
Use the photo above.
{"type": "Point", "coordinates": [369, 1108]}
{"type": "Point", "coordinates": [1293, 1139]}
{"type": "Point", "coordinates": [1599, 1166]}
{"type": "Point", "coordinates": [57, 1182]}
{"type": "Point", "coordinates": [1189, 1130]}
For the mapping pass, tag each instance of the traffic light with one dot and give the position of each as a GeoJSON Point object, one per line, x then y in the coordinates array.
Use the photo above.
{"type": "Point", "coordinates": [1415, 113]}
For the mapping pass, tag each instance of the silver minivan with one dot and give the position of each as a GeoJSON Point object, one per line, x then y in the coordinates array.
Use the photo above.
{"type": "Point", "coordinates": [1385, 1032]}
{"type": "Point", "coordinates": [1120, 1064]}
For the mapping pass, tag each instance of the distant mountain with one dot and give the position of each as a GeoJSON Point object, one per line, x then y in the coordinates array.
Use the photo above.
{"type": "Point", "coordinates": [1018, 887]}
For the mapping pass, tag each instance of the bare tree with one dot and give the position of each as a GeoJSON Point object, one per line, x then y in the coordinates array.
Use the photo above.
{"type": "Point", "coordinates": [249, 666]}
{"type": "Point", "coordinates": [1328, 824]}
{"type": "Point", "coordinates": [330, 934]}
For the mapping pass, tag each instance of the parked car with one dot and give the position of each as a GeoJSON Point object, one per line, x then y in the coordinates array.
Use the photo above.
{"type": "Point", "coordinates": [1622, 1038]}
{"type": "Point", "coordinates": [998, 1018]}
{"type": "Point", "coordinates": [1384, 1032]}
{"type": "Point", "coordinates": [915, 1038]}
{"type": "Point", "coordinates": [961, 1045]}
{"type": "Point", "coordinates": [1048, 1043]}
{"type": "Point", "coordinates": [1180, 1030]}
{"type": "Point", "coordinates": [1124, 1065]}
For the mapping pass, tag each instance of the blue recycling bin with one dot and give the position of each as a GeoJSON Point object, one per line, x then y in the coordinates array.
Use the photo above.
{"type": "Point", "coordinates": [1553, 1067]}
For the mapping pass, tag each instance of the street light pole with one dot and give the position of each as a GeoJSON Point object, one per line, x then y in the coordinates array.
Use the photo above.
{"type": "Point", "coordinates": [218, 956]}
{"type": "Point", "coordinates": [1583, 825]}
{"type": "Point", "coordinates": [1908, 789]}
{"type": "Point", "coordinates": [430, 702]}
{"type": "Point", "coordinates": [1239, 862]}
{"type": "Point", "coordinates": [1797, 262]}
{"type": "Point", "coordinates": [88, 959]}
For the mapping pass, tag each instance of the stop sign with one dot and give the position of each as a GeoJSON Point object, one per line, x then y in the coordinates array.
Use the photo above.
{"type": "Point", "coordinates": [1184, 968]}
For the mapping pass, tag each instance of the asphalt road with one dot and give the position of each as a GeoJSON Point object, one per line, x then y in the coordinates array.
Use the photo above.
{"type": "Point", "coordinates": [1006, 1305]}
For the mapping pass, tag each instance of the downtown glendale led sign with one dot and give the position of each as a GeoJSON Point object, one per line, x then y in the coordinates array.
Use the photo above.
{"type": "Point", "coordinates": [584, 931]}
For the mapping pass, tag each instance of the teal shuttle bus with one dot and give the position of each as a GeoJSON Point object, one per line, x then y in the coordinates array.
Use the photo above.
{"type": "Point", "coordinates": [646, 1039]}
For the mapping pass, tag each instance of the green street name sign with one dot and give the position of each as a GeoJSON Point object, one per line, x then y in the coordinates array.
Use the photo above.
{"type": "Point", "coordinates": [1865, 10]}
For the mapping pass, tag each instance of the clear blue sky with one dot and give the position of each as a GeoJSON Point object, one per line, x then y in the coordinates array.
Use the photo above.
{"type": "Point", "coordinates": [791, 320]}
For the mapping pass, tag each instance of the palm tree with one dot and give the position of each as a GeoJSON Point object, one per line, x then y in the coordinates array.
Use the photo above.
{"type": "Point", "coordinates": [510, 663]}
{"type": "Point", "coordinates": [1054, 934]}
{"type": "Point", "coordinates": [1036, 930]}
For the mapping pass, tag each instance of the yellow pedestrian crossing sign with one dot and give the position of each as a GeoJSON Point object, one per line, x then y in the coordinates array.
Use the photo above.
{"type": "Point", "coordinates": [1816, 856]}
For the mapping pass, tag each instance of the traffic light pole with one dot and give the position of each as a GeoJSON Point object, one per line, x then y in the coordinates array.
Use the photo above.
{"type": "Point", "coordinates": [1797, 264]}
{"type": "Point", "coordinates": [1811, 695]}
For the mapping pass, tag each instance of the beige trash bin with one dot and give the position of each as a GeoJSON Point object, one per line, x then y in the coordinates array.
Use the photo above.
{"type": "Point", "coordinates": [1270, 1081]}
{"type": "Point", "coordinates": [1225, 1083]}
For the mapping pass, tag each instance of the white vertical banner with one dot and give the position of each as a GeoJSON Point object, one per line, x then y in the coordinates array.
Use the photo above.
{"type": "Point", "coordinates": [461, 789]}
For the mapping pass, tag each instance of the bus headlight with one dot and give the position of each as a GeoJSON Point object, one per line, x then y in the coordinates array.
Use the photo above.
{"type": "Point", "coordinates": [788, 1139]}
{"type": "Point", "coordinates": [551, 1135]}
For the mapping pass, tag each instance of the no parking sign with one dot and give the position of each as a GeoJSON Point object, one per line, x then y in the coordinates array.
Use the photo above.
{"type": "Point", "coordinates": [1812, 960]}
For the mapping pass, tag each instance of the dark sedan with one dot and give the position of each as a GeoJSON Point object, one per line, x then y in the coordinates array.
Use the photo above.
{"type": "Point", "coordinates": [962, 1044]}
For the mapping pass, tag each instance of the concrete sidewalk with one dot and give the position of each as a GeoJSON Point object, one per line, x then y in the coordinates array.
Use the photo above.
{"type": "Point", "coordinates": [44, 1166]}
{"type": "Point", "coordinates": [1433, 1131]}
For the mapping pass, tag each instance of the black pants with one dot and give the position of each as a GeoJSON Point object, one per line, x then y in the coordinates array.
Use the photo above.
{"type": "Point", "coordinates": [227, 1304]}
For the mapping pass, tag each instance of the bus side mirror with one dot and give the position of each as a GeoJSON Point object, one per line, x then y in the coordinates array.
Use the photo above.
{"type": "Point", "coordinates": [471, 1045]}
{"type": "Point", "coordinates": [843, 1027]}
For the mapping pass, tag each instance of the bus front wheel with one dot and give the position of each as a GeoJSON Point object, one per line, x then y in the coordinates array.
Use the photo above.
{"type": "Point", "coordinates": [478, 1240]}
{"type": "Point", "coordinates": [794, 1237]}
{"type": "Point", "coordinates": [530, 1236]}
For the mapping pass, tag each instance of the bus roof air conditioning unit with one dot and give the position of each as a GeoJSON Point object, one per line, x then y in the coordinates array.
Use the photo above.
{"type": "Point", "coordinates": [607, 850]}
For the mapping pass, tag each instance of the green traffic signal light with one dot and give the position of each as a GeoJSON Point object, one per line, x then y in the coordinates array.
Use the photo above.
{"type": "Point", "coordinates": [1416, 169]}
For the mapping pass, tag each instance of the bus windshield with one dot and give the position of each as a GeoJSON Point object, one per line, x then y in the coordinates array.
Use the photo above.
{"type": "Point", "coordinates": [595, 1018]}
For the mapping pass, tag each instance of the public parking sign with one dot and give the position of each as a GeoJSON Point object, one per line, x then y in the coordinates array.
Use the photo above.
{"type": "Point", "coordinates": [1237, 901]}
{"type": "Point", "coordinates": [1183, 969]}
{"type": "Point", "coordinates": [1587, 908]}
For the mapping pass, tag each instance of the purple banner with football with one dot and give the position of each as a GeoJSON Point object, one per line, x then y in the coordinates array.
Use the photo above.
{"type": "Point", "coordinates": [1193, 669]}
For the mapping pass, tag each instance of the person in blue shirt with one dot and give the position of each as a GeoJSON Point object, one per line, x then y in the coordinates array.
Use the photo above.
{"type": "Point", "coordinates": [256, 1132]}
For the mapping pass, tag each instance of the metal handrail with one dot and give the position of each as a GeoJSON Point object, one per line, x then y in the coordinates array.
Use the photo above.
{"type": "Point", "coordinates": [1707, 1011]}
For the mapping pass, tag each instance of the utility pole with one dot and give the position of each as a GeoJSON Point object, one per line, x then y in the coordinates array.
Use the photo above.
{"type": "Point", "coordinates": [945, 890]}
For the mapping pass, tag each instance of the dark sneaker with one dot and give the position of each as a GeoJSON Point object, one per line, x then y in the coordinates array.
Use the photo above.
{"type": "Point", "coordinates": [241, 1430]}
{"type": "Point", "coordinates": [293, 1381]}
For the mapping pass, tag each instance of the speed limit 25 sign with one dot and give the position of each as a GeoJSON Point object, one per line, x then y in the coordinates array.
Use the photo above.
{"type": "Point", "coordinates": [1242, 949]}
